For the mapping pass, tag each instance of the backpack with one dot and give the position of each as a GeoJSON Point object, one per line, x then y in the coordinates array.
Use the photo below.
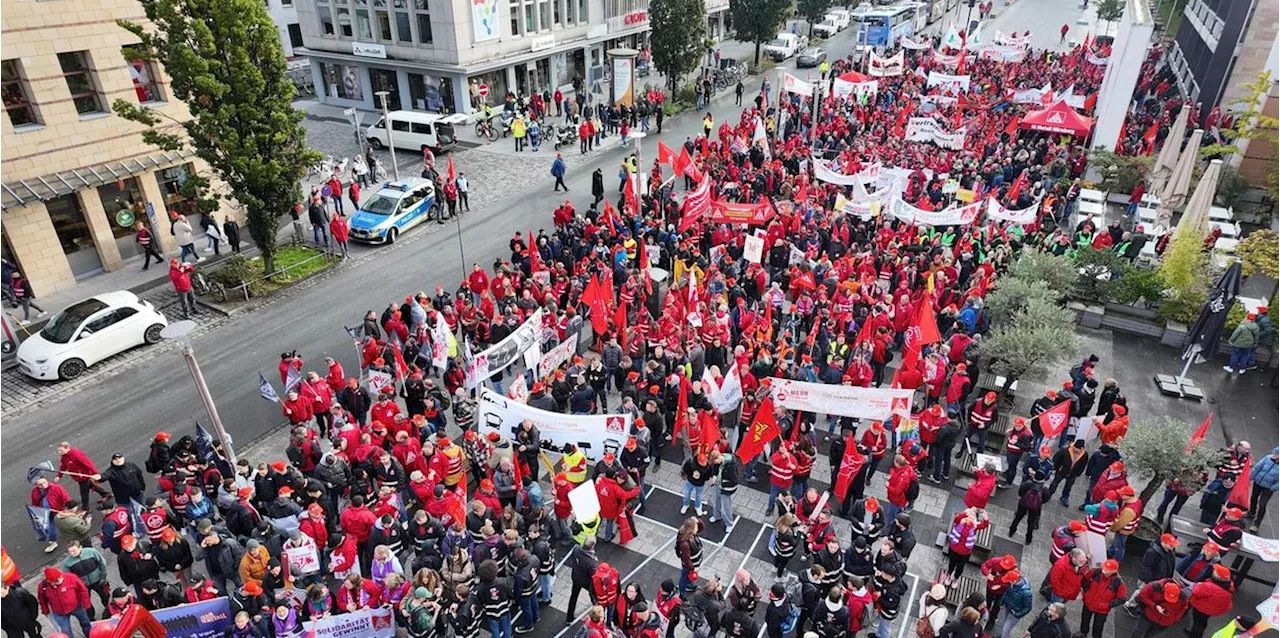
{"type": "Point", "coordinates": [695, 620]}
{"type": "Point", "coordinates": [924, 628]}
{"type": "Point", "coordinates": [913, 490]}
{"type": "Point", "coordinates": [1033, 499]}
{"type": "Point", "coordinates": [789, 623]}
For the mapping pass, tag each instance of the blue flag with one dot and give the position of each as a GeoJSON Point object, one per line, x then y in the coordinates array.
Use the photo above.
{"type": "Point", "coordinates": [135, 515]}
{"type": "Point", "coordinates": [34, 473]}
{"type": "Point", "coordinates": [265, 389]}
{"type": "Point", "coordinates": [354, 333]}
{"type": "Point", "coordinates": [41, 522]}
{"type": "Point", "coordinates": [204, 443]}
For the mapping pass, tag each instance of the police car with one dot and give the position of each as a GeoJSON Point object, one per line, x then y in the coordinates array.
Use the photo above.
{"type": "Point", "coordinates": [395, 208]}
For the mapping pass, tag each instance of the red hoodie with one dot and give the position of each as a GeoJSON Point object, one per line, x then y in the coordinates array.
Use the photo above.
{"type": "Point", "coordinates": [357, 522]}
{"type": "Point", "coordinates": [984, 484]}
{"type": "Point", "coordinates": [1101, 590]}
{"type": "Point", "coordinates": [77, 462]}
{"type": "Point", "coordinates": [1065, 579]}
{"type": "Point", "coordinates": [1158, 609]}
{"type": "Point", "coordinates": [1211, 597]}
{"type": "Point", "coordinates": [64, 597]}
{"type": "Point", "coordinates": [899, 479]}
{"type": "Point", "coordinates": [613, 497]}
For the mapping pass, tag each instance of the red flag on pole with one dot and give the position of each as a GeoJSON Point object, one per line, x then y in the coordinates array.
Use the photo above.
{"type": "Point", "coordinates": [453, 175]}
{"type": "Point", "coordinates": [665, 154]}
{"type": "Point", "coordinates": [709, 430]}
{"type": "Point", "coordinates": [626, 525]}
{"type": "Point", "coordinates": [629, 195]}
{"type": "Point", "coordinates": [1054, 420]}
{"type": "Point", "coordinates": [643, 257]}
{"type": "Point", "coordinates": [535, 258]}
{"type": "Point", "coordinates": [1198, 436]}
{"type": "Point", "coordinates": [1240, 493]}
{"type": "Point", "coordinates": [764, 429]}
{"type": "Point", "coordinates": [593, 296]}
{"type": "Point", "coordinates": [1015, 189]}
{"type": "Point", "coordinates": [402, 368]}
{"type": "Point", "coordinates": [923, 331]}
{"type": "Point", "coordinates": [696, 204]}
{"type": "Point", "coordinates": [682, 408]}
{"type": "Point", "coordinates": [850, 465]}
{"type": "Point", "coordinates": [681, 163]}
{"type": "Point", "coordinates": [620, 324]}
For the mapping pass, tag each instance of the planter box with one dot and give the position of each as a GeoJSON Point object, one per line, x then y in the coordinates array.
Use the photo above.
{"type": "Point", "coordinates": [1147, 314]}
{"type": "Point", "coordinates": [1134, 324]}
{"type": "Point", "coordinates": [1076, 307]}
{"type": "Point", "coordinates": [1175, 334]}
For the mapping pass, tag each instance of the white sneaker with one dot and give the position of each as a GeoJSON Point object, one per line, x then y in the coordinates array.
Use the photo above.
{"type": "Point", "coordinates": [698, 511]}
{"type": "Point", "coordinates": [712, 519]}
{"type": "Point", "coordinates": [200, 259]}
{"type": "Point", "coordinates": [48, 549]}
{"type": "Point", "coordinates": [1228, 368]}
{"type": "Point", "coordinates": [684, 509]}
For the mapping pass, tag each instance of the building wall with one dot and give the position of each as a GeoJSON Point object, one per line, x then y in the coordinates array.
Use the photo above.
{"type": "Point", "coordinates": [283, 13]}
{"type": "Point", "coordinates": [63, 140]}
{"type": "Point", "coordinates": [1209, 47]}
{"type": "Point", "coordinates": [1256, 52]}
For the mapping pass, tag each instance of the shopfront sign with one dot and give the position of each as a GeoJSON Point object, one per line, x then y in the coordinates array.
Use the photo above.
{"type": "Point", "coordinates": [713, 6]}
{"type": "Point", "coordinates": [543, 43]}
{"type": "Point", "coordinates": [629, 20]}
{"type": "Point", "coordinates": [368, 50]}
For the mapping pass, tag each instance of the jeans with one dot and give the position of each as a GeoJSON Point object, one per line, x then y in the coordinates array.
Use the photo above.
{"type": "Point", "coordinates": [1240, 358]}
{"type": "Point", "coordinates": [686, 585]}
{"type": "Point", "coordinates": [774, 491]}
{"type": "Point", "coordinates": [63, 621]}
{"type": "Point", "coordinates": [799, 487]}
{"type": "Point", "coordinates": [610, 528]}
{"type": "Point", "coordinates": [696, 492]}
{"type": "Point", "coordinates": [890, 511]}
{"type": "Point", "coordinates": [529, 611]}
{"type": "Point", "coordinates": [1011, 460]}
{"type": "Point", "coordinates": [883, 627]}
{"type": "Point", "coordinates": [318, 231]}
{"type": "Point", "coordinates": [544, 583]}
{"type": "Point", "coordinates": [722, 507]}
{"type": "Point", "coordinates": [187, 302]}
{"type": "Point", "coordinates": [501, 627]}
{"type": "Point", "coordinates": [1174, 498]}
{"type": "Point", "coordinates": [1066, 487]}
{"type": "Point", "coordinates": [189, 249]}
{"type": "Point", "coordinates": [1006, 627]}
{"type": "Point", "coordinates": [337, 201]}
{"type": "Point", "coordinates": [1116, 550]}
{"type": "Point", "coordinates": [940, 459]}
{"type": "Point", "coordinates": [51, 536]}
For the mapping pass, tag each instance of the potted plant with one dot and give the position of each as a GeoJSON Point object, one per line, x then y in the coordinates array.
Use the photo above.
{"type": "Point", "coordinates": [1158, 450]}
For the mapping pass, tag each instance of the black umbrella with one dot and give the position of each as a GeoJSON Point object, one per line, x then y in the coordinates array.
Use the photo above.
{"type": "Point", "coordinates": [1207, 330]}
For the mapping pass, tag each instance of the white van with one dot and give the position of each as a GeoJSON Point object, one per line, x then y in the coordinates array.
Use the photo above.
{"type": "Point", "coordinates": [842, 17]}
{"type": "Point", "coordinates": [414, 131]}
{"type": "Point", "coordinates": [785, 46]}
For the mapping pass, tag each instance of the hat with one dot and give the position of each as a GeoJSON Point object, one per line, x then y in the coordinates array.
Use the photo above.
{"type": "Point", "coordinates": [1211, 547]}
{"type": "Point", "coordinates": [1066, 385]}
{"type": "Point", "coordinates": [278, 466]}
{"type": "Point", "coordinates": [1110, 565]}
{"type": "Point", "coordinates": [119, 592]}
{"type": "Point", "coordinates": [1110, 496]}
{"type": "Point", "coordinates": [1233, 512]}
{"type": "Point", "coordinates": [168, 535]}
{"type": "Point", "coordinates": [245, 492]}
{"type": "Point", "coordinates": [1076, 526]}
{"type": "Point", "coordinates": [1052, 394]}
{"type": "Point", "coordinates": [1011, 576]}
{"type": "Point", "coordinates": [487, 485]}
{"type": "Point", "coordinates": [162, 436]}
{"type": "Point", "coordinates": [285, 490]}
{"type": "Point", "coordinates": [1120, 410]}
{"type": "Point", "coordinates": [877, 426]}
{"type": "Point", "coordinates": [1172, 592]}
{"type": "Point", "coordinates": [52, 573]}
{"type": "Point", "coordinates": [128, 539]}
{"type": "Point", "coordinates": [1221, 572]}
{"type": "Point", "coordinates": [253, 588]}
{"type": "Point", "coordinates": [538, 387]}
{"type": "Point", "coordinates": [961, 367]}
{"type": "Point", "coordinates": [938, 591]}
{"type": "Point", "coordinates": [1019, 422]}
{"type": "Point", "coordinates": [609, 457]}
{"type": "Point", "coordinates": [631, 443]}
{"type": "Point", "coordinates": [204, 525]}
{"type": "Point", "coordinates": [1169, 539]}
{"type": "Point", "coordinates": [1125, 491]}
{"type": "Point", "coordinates": [493, 436]}
{"type": "Point", "coordinates": [1251, 315]}
{"type": "Point", "coordinates": [872, 504]}
{"type": "Point", "coordinates": [1117, 466]}
{"type": "Point", "coordinates": [990, 396]}
{"type": "Point", "coordinates": [1008, 562]}
{"type": "Point", "coordinates": [421, 592]}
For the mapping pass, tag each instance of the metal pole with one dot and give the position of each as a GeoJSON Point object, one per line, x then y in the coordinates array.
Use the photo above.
{"type": "Point", "coordinates": [391, 145]}
{"type": "Point", "coordinates": [203, 389]}
{"type": "Point", "coordinates": [457, 218]}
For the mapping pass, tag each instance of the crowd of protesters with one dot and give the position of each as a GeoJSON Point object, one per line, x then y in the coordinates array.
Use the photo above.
{"type": "Point", "coordinates": [403, 502]}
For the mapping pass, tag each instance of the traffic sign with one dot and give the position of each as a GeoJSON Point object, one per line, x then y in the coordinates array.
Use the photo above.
{"type": "Point", "coordinates": [349, 112]}
{"type": "Point", "coordinates": [483, 90]}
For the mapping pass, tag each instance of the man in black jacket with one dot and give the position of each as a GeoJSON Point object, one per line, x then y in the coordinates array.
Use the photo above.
{"type": "Point", "coordinates": [1051, 623]}
{"type": "Point", "coordinates": [901, 535]}
{"type": "Point", "coordinates": [1069, 464]}
{"type": "Point", "coordinates": [222, 554]}
{"type": "Point", "coordinates": [738, 623]}
{"type": "Point", "coordinates": [125, 479]}
{"type": "Point", "coordinates": [1157, 564]}
{"type": "Point", "coordinates": [582, 566]}
{"type": "Point", "coordinates": [19, 612]}
{"type": "Point", "coordinates": [831, 616]}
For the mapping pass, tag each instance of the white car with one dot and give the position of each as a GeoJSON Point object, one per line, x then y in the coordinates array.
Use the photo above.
{"type": "Point", "coordinates": [88, 332]}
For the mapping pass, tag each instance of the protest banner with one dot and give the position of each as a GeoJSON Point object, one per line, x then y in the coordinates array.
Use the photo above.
{"type": "Point", "coordinates": [302, 561]}
{"type": "Point", "coordinates": [753, 248]}
{"type": "Point", "coordinates": [793, 84]}
{"type": "Point", "coordinates": [945, 59]}
{"type": "Point", "coordinates": [877, 404]}
{"type": "Point", "coordinates": [954, 216]}
{"type": "Point", "coordinates": [593, 434]}
{"type": "Point", "coordinates": [841, 89]}
{"type": "Point", "coordinates": [948, 82]}
{"type": "Point", "coordinates": [378, 622]}
{"type": "Point", "coordinates": [995, 210]}
{"type": "Point", "coordinates": [868, 175]}
{"type": "Point", "coordinates": [1031, 96]}
{"type": "Point", "coordinates": [887, 67]}
{"type": "Point", "coordinates": [558, 355]}
{"type": "Point", "coordinates": [965, 195]}
{"type": "Point", "coordinates": [907, 42]}
{"type": "Point", "coordinates": [205, 619]}
{"type": "Point", "coordinates": [927, 129]}
{"type": "Point", "coordinates": [584, 501]}
{"type": "Point", "coordinates": [740, 213]}
{"type": "Point", "coordinates": [725, 396]}
{"type": "Point", "coordinates": [506, 352]}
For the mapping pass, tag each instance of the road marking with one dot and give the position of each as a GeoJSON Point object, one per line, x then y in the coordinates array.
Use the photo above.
{"type": "Point", "coordinates": [915, 581]}
{"type": "Point", "coordinates": [750, 549]}
{"type": "Point", "coordinates": [624, 579]}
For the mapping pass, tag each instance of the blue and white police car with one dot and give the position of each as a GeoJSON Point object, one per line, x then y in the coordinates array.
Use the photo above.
{"type": "Point", "coordinates": [394, 209]}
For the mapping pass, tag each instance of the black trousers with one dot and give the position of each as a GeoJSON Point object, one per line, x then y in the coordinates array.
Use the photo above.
{"type": "Point", "coordinates": [1199, 621]}
{"type": "Point", "coordinates": [150, 253]}
{"type": "Point", "coordinates": [1087, 618]}
{"type": "Point", "coordinates": [1033, 521]}
{"type": "Point", "coordinates": [560, 184]}
{"type": "Point", "coordinates": [85, 487]}
{"type": "Point", "coordinates": [955, 564]}
{"type": "Point", "coordinates": [573, 599]}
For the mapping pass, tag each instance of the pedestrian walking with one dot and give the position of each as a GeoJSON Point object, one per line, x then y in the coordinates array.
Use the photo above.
{"type": "Point", "coordinates": [518, 132]}
{"type": "Point", "coordinates": [62, 597]}
{"type": "Point", "coordinates": [146, 241]}
{"type": "Point", "coordinates": [212, 234]}
{"type": "Point", "coordinates": [231, 230]}
{"type": "Point", "coordinates": [1104, 590]}
{"type": "Point", "coordinates": [25, 295]}
{"type": "Point", "coordinates": [1243, 342]}
{"type": "Point", "coordinates": [557, 171]}
{"type": "Point", "coordinates": [185, 236]}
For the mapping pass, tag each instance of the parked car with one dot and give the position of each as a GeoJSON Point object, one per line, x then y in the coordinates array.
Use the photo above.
{"type": "Point", "coordinates": [87, 332]}
{"type": "Point", "coordinates": [826, 28]}
{"type": "Point", "coordinates": [813, 56]}
{"type": "Point", "coordinates": [394, 209]}
{"type": "Point", "coordinates": [785, 46]}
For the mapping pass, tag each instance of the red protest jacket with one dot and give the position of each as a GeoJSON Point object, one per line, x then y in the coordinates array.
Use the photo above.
{"type": "Point", "coordinates": [1212, 598]}
{"type": "Point", "coordinates": [1101, 590]}
{"type": "Point", "coordinates": [1065, 580]}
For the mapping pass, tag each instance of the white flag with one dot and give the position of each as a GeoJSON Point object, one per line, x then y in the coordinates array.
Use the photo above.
{"type": "Point", "coordinates": [794, 84]}
{"type": "Point", "coordinates": [952, 39]}
{"type": "Point", "coordinates": [760, 137]}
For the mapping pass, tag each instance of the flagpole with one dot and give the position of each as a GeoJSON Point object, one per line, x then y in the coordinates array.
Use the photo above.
{"type": "Point", "coordinates": [180, 332]}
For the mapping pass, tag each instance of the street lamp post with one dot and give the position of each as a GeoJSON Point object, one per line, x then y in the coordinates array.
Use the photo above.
{"type": "Point", "coordinates": [179, 332]}
{"type": "Point", "coordinates": [968, 21]}
{"type": "Point", "coordinates": [386, 123]}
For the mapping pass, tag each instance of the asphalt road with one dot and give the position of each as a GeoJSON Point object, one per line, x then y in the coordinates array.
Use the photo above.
{"type": "Point", "coordinates": [122, 412]}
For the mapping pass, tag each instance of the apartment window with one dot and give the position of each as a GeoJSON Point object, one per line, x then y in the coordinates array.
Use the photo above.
{"type": "Point", "coordinates": [364, 29]}
{"type": "Point", "coordinates": [80, 81]}
{"type": "Point", "coordinates": [143, 73]}
{"type": "Point", "coordinates": [582, 10]}
{"type": "Point", "coordinates": [555, 6]}
{"type": "Point", "coordinates": [344, 21]}
{"type": "Point", "coordinates": [544, 14]}
{"type": "Point", "coordinates": [530, 24]}
{"type": "Point", "coordinates": [515, 17]}
{"type": "Point", "coordinates": [16, 93]}
{"type": "Point", "coordinates": [326, 20]}
{"type": "Point", "coordinates": [404, 30]}
{"type": "Point", "coordinates": [424, 28]}
{"type": "Point", "coordinates": [286, 3]}
{"type": "Point", "coordinates": [295, 35]}
{"type": "Point", "coordinates": [384, 25]}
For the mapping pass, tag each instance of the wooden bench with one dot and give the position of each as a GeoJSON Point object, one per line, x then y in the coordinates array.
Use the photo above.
{"type": "Point", "coordinates": [964, 464]}
{"type": "Point", "coordinates": [997, 432]}
{"type": "Point", "coordinates": [962, 588]}
{"type": "Point", "coordinates": [982, 545]}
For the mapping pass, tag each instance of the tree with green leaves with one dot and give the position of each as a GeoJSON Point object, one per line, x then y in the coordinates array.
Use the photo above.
{"type": "Point", "coordinates": [677, 40]}
{"type": "Point", "coordinates": [1185, 270]}
{"type": "Point", "coordinates": [1158, 451]}
{"type": "Point", "coordinates": [813, 11]}
{"type": "Point", "coordinates": [1057, 274]}
{"type": "Point", "coordinates": [1109, 11]}
{"type": "Point", "coordinates": [1039, 335]}
{"type": "Point", "coordinates": [758, 21]}
{"type": "Point", "coordinates": [1250, 124]}
{"type": "Point", "coordinates": [224, 61]}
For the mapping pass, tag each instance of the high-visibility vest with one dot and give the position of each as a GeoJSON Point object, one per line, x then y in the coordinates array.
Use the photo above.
{"type": "Point", "coordinates": [586, 529]}
{"type": "Point", "coordinates": [453, 465]}
{"type": "Point", "coordinates": [8, 569]}
{"type": "Point", "coordinates": [575, 467]}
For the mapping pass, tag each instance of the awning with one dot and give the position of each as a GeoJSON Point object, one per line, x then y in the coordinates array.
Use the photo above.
{"type": "Point", "coordinates": [1058, 118]}
{"type": "Point", "coordinates": [43, 188]}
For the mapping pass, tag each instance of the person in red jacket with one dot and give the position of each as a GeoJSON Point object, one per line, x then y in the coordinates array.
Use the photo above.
{"type": "Point", "coordinates": [80, 467]}
{"type": "Point", "coordinates": [994, 570]}
{"type": "Point", "coordinates": [340, 228]}
{"type": "Point", "coordinates": [957, 388]}
{"type": "Point", "coordinates": [876, 440]}
{"type": "Point", "coordinates": [54, 497]}
{"type": "Point", "coordinates": [613, 499]}
{"type": "Point", "coordinates": [297, 409]}
{"type": "Point", "coordinates": [900, 478]}
{"type": "Point", "coordinates": [606, 584]}
{"type": "Point", "coordinates": [984, 484]}
{"type": "Point", "coordinates": [313, 525]}
{"type": "Point", "coordinates": [1210, 598]}
{"type": "Point", "coordinates": [1066, 577]}
{"type": "Point", "coordinates": [180, 277]}
{"type": "Point", "coordinates": [782, 469]}
{"type": "Point", "coordinates": [1164, 603]}
{"type": "Point", "coordinates": [317, 389]}
{"type": "Point", "coordinates": [63, 596]}
{"type": "Point", "coordinates": [1104, 590]}
{"type": "Point", "coordinates": [357, 521]}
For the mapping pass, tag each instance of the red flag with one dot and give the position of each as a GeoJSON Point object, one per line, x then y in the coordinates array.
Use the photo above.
{"type": "Point", "coordinates": [682, 408]}
{"type": "Point", "coordinates": [535, 258]}
{"type": "Point", "coordinates": [1015, 189]}
{"type": "Point", "coordinates": [643, 258]}
{"type": "Point", "coordinates": [1091, 102]}
{"type": "Point", "coordinates": [629, 196]}
{"type": "Point", "coordinates": [682, 162]}
{"type": "Point", "coordinates": [960, 68]}
{"type": "Point", "coordinates": [795, 428]}
{"type": "Point", "coordinates": [593, 296]}
{"type": "Point", "coordinates": [696, 204]}
{"type": "Point", "coordinates": [1054, 420]}
{"type": "Point", "coordinates": [764, 429]}
{"type": "Point", "coordinates": [768, 320]}
{"type": "Point", "coordinates": [709, 430]}
{"type": "Point", "coordinates": [923, 331]}
{"type": "Point", "coordinates": [453, 175]}
{"type": "Point", "coordinates": [805, 280]}
{"type": "Point", "coordinates": [454, 507]}
{"type": "Point", "coordinates": [1198, 436]}
{"type": "Point", "coordinates": [626, 526]}
{"type": "Point", "coordinates": [665, 154]}
{"type": "Point", "coordinates": [1012, 128]}
{"type": "Point", "coordinates": [850, 465]}
{"type": "Point", "coordinates": [402, 368]}
{"type": "Point", "coordinates": [620, 324]}
{"type": "Point", "coordinates": [1149, 137]}
{"type": "Point", "coordinates": [1240, 493]}
{"type": "Point", "coordinates": [864, 333]}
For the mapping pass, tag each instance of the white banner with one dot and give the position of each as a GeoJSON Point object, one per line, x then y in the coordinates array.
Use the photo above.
{"type": "Point", "coordinates": [1023, 41]}
{"type": "Point", "coordinates": [1067, 95]}
{"type": "Point", "coordinates": [374, 623]}
{"type": "Point", "coordinates": [995, 210]}
{"type": "Point", "coordinates": [753, 249]}
{"type": "Point", "coordinates": [947, 59]}
{"type": "Point", "coordinates": [955, 216]}
{"type": "Point", "coordinates": [507, 351]}
{"type": "Point", "coordinates": [558, 355]}
{"type": "Point", "coordinates": [727, 396]}
{"type": "Point", "coordinates": [907, 43]}
{"type": "Point", "coordinates": [793, 84]}
{"type": "Point", "coordinates": [868, 175]}
{"type": "Point", "coordinates": [584, 501]}
{"type": "Point", "coordinates": [1267, 549]}
{"type": "Point", "coordinates": [948, 82]}
{"type": "Point", "coordinates": [518, 390]}
{"type": "Point", "coordinates": [1031, 96]}
{"type": "Point", "coordinates": [841, 89]}
{"type": "Point", "coordinates": [1003, 53]}
{"type": "Point", "coordinates": [376, 380]}
{"type": "Point", "coordinates": [1098, 60]}
{"type": "Point", "coordinates": [593, 434]}
{"type": "Point", "coordinates": [877, 404]}
{"type": "Point", "coordinates": [303, 561]}
{"type": "Point", "coordinates": [887, 67]}
{"type": "Point", "coordinates": [927, 129]}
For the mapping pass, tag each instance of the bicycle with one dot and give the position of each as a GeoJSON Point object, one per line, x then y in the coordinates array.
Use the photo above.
{"type": "Point", "coordinates": [485, 130]}
{"type": "Point", "coordinates": [203, 287]}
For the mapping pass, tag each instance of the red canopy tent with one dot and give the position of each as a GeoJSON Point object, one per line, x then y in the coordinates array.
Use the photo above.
{"type": "Point", "coordinates": [1058, 118]}
{"type": "Point", "coordinates": [854, 77]}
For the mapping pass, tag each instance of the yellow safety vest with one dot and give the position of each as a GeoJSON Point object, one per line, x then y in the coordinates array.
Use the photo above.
{"type": "Point", "coordinates": [586, 530]}
{"type": "Point", "coordinates": [575, 467]}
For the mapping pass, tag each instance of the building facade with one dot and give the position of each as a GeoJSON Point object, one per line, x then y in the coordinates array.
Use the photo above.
{"type": "Point", "coordinates": [77, 176]}
{"type": "Point", "coordinates": [435, 55]}
{"type": "Point", "coordinates": [1221, 45]}
{"type": "Point", "coordinates": [285, 14]}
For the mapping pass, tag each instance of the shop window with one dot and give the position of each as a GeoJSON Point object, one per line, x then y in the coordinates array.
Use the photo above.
{"type": "Point", "coordinates": [384, 25]}
{"type": "Point", "coordinates": [74, 235]}
{"type": "Point", "coordinates": [344, 21]}
{"type": "Point", "coordinates": [404, 30]}
{"type": "Point", "coordinates": [326, 20]}
{"type": "Point", "coordinates": [17, 95]}
{"type": "Point", "coordinates": [424, 28]}
{"type": "Point", "coordinates": [343, 81]}
{"type": "Point", "coordinates": [364, 29]}
{"type": "Point", "coordinates": [144, 76]}
{"type": "Point", "coordinates": [80, 81]}
{"type": "Point", "coordinates": [123, 205]}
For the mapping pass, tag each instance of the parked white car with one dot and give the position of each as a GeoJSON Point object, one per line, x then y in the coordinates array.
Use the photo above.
{"type": "Point", "coordinates": [826, 28]}
{"type": "Point", "coordinates": [88, 332]}
{"type": "Point", "coordinates": [785, 46]}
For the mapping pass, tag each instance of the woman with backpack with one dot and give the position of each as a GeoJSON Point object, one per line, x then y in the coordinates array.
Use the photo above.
{"type": "Point", "coordinates": [781, 615]}
{"type": "Point", "coordinates": [1031, 498]}
{"type": "Point", "coordinates": [689, 550]}
{"type": "Point", "coordinates": [933, 612]}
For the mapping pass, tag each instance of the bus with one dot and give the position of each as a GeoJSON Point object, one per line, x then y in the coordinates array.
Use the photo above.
{"type": "Point", "coordinates": [882, 27]}
{"type": "Point", "coordinates": [939, 8]}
